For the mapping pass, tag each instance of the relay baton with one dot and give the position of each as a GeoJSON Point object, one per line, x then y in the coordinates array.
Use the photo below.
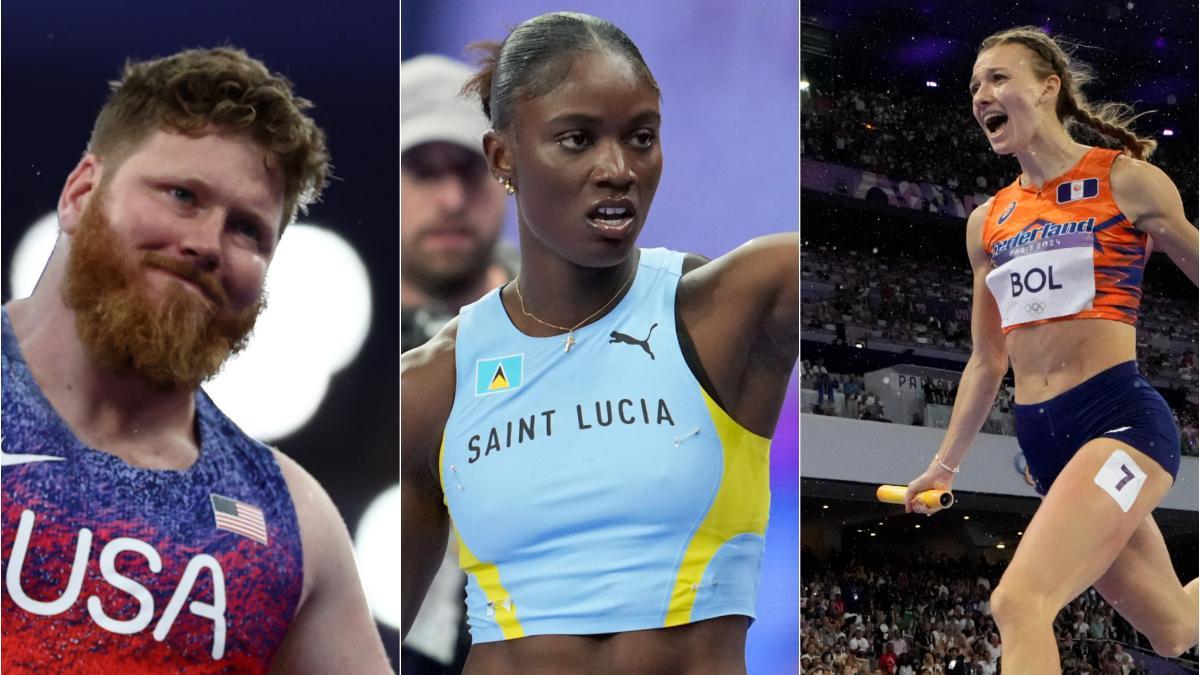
{"type": "Point", "coordinates": [934, 500]}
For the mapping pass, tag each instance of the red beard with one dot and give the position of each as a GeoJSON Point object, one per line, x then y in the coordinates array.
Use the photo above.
{"type": "Point", "coordinates": [177, 340]}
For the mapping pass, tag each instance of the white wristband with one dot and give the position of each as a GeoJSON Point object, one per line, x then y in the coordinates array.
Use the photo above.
{"type": "Point", "coordinates": [943, 465]}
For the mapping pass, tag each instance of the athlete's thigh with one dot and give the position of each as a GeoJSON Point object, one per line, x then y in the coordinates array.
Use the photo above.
{"type": "Point", "coordinates": [1141, 582]}
{"type": "Point", "coordinates": [1097, 502]}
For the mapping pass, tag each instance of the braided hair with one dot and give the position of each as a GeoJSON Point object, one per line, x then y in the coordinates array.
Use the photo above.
{"type": "Point", "coordinates": [1113, 120]}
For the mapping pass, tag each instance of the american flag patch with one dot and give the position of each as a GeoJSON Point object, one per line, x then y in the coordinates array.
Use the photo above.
{"type": "Point", "coordinates": [239, 518]}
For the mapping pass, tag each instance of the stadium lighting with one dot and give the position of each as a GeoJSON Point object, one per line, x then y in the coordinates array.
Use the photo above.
{"type": "Point", "coordinates": [1168, 132]}
{"type": "Point", "coordinates": [31, 255]}
{"type": "Point", "coordinates": [966, 517]}
{"type": "Point", "coordinates": [377, 554]}
{"type": "Point", "coordinates": [824, 506]}
{"type": "Point", "coordinates": [803, 85]}
{"type": "Point", "coordinates": [999, 545]}
{"type": "Point", "coordinates": [931, 83]}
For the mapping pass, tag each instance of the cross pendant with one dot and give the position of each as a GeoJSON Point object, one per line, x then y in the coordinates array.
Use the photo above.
{"type": "Point", "coordinates": [569, 341]}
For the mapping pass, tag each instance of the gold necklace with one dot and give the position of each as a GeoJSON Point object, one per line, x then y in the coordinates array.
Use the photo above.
{"type": "Point", "coordinates": [571, 331]}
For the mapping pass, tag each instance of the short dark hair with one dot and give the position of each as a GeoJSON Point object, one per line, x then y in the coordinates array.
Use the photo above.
{"type": "Point", "coordinates": [224, 87]}
{"type": "Point", "coordinates": [528, 63]}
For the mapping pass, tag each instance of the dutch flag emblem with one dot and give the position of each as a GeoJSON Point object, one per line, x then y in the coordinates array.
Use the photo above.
{"type": "Point", "coordinates": [1073, 191]}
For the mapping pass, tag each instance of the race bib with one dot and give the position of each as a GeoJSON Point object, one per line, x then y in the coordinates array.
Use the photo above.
{"type": "Point", "coordinates": [1044, 280]}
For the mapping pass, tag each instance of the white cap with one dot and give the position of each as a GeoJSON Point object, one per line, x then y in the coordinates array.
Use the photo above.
{"type": "Point", "coordinates": [432, 108]}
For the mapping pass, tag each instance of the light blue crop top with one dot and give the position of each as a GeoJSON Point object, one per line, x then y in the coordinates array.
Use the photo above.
{"type": "Point", "coordinates": [598, 490]}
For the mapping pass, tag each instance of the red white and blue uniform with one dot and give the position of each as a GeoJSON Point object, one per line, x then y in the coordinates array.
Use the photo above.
{"type": "Point", "coordinates": [111, 568]}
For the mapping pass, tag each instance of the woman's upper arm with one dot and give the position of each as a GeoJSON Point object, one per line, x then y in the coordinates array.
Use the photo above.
{"type": "Point", "coordinates": [427, 378]}
{"type": "Point", "coordinates": [1150, 200]}
{"type": "Point", "coordinates": [987, 337]}
{"type": "Point", "coordinates": [755, 287]}
{"type": "Point", "coordinates": [741, 314]}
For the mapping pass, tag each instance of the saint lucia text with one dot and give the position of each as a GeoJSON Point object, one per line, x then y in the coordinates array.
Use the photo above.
{"type": "Point", "coordinates": [600, 414]}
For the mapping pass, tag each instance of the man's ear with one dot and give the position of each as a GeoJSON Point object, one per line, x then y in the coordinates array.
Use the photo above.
{"type": "Point", "coordinates": [81, 184]}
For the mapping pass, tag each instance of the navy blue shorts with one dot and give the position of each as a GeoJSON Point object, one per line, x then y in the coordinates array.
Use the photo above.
{"type": "Point", "coordinates": [1118, 403]}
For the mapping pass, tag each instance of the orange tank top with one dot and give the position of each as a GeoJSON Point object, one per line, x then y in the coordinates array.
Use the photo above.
{"type": "Point", "coordinates": [1064, 251]}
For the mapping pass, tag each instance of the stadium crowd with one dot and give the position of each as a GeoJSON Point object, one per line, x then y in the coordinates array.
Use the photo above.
{"type": "Point", "coordinates": [869, 614]}
{"type": "Point", "coordinates": [934, 139]}
{"type": "Point", "coordinates": [863, 298]}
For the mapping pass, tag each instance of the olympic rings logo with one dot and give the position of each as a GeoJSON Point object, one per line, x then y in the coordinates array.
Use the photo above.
{"type": "Point", "coordinates": [1035, 308]}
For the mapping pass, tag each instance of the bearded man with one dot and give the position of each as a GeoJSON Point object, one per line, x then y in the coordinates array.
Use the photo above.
{"type": "Point", "coordinates": [142, 530]}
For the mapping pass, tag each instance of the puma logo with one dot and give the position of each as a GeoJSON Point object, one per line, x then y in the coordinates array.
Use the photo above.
{"type": "Point", "coordinates": [617, 336]}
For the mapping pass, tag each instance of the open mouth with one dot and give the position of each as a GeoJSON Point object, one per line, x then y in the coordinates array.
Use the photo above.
{"type": "Point", "coordinates": [994, 122]}
{"type": "Point", "coordinates": [615, 221]}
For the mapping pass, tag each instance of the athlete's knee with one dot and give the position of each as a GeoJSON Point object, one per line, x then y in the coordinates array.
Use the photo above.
{"type": "Point", "coordinates": [1175, 639]}
{"type": "Point", "coordinates": [1012, 604]}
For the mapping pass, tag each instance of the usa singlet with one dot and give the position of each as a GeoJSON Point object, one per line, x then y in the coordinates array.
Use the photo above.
{"type": "Point", "coordinates": [1065, 251]}
{"type": "Point", "coordinates": [111, 568]}
{"type": "Point", "coordinates": [599, 489]}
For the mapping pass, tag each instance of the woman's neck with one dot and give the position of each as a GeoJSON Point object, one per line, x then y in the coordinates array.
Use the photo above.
{"type": "Point", "coordinates": [562, 293]}
{"type": "Point", "coordinates": [1048, 156]}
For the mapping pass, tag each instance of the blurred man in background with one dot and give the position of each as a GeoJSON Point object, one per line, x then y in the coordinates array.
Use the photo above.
{"type": "Point", "coordinates": [451, 213]}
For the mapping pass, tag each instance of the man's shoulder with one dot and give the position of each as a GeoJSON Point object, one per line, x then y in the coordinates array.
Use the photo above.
{"type": "Point", "coordinates": [317, 517]}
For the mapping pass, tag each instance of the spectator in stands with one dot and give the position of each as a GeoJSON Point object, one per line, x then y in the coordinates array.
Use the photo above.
{"type": "Point", "coordinates": [992, 647]}
{"type": "Point", "coordinates": [1122, 659]}
{"type": "Point", "coordinates": [840, 134]}
{"type": "Point", "coordinates": [859, 644]}
{"type": "Point", "coordinates": [887, 661]}
{"type": "Point", "coordinates": [955, 664]}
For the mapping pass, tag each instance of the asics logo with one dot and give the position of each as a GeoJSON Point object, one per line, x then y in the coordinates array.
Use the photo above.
{"type": "Point", "coordinates": [1007, 213]}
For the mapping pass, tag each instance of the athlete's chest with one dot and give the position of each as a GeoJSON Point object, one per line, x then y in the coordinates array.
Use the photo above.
{"type": "Point", "coordinates": [543, 440]}
{"type": "Point", "coordinates": [123, 565]}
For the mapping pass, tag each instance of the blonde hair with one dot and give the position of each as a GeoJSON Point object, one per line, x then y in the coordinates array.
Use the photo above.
{"type": "Point", "coordinates": [1113, 120]}
{"type": "Point", "coordinates": [224, 87]}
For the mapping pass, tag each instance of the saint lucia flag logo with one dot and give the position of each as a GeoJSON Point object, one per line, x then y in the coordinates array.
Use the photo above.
{"type": "Point", "coordinates": [1073, 191]}
{"type": "Point", "coordinates": [501, 374]}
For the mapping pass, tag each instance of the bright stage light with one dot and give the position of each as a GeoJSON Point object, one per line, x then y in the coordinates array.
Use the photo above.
{"type": "Point", "coordinates": [377, 552]}
{"type": "Point", "coordinates": [31, 255]}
